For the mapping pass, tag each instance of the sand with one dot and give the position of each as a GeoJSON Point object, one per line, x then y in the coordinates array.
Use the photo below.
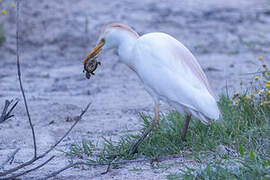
{"type": "Point", "coordinates": [225, 36]}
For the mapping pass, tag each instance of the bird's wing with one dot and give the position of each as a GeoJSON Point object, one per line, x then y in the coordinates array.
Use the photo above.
{"type": "Point", "coordinates": [172, 72]}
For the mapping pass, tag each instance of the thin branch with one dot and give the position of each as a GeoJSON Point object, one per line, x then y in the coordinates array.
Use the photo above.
{"type": "Point", "coordinates": [151, 160]}
{"type": "Point", "coordinates": [76, 121]}
{"type": "Point", "coordinates": [28, 171]}
{"type": "Point", "coordinates": [6, 115]}
{"type": "Point", "coordinates": [20, 80]}
{"type": "Point", "coordinates": [4, 173]}
{"type": "Point", "coordinates": [11, 109]}
{"type": "Point", "coordinates": [107, 170]}
{"type": "Point", "coordinates": [61, 170]}
{"type": "Point", "coordinates": [10, 158]}
{"type": "Point", "coordinates": [35, 157]}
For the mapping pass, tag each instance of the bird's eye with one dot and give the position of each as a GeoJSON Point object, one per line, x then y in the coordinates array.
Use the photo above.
{"type": "Point", "coordinates": [103, 40]}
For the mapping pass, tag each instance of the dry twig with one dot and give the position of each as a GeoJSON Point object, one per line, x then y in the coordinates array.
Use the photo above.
{"type": "Point", "coordinates": [151, 160]}
{"type": "Point", "coordinates": [20, 79]}
{"type": "Point", "coordinates": [30, 170]}
{"type": "Point", "coordinates": [30, 162]}
{"type": "Point", "coordinates": [10, 158]}
{"type": "Point", "coordinates": [7, 114]}
{"type": "Point", "coordinates": [5, 173]}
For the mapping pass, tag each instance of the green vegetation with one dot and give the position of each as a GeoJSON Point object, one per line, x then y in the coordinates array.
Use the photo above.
{"type": "Point", "coordinates": [2, 36]}
{"type": "Point", "coordinates": [3, 13]}
{"type": "Point", "coordinates": [243, 167]}
{"type": "Point", "coordinates": [201, 49]}
{"type": "Point", "coordinates": [243, 131]}
{"type": "Point", "coordinates": [231, 53]}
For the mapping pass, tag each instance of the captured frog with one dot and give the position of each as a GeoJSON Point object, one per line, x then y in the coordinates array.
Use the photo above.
{"type": "Point", "coordinates": [90, 62]}
{"type": "Point", "coordinates": [90, 66]}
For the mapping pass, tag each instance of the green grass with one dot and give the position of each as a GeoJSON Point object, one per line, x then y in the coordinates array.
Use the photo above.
{"type": "Point", "coordinates": [244, 128]}
{"type": "Point", "coordinates": [200, 48]}
{"type": "Point", "coordinates": [231, 53]}
{"type": "Point", "coordinates": [2, 36]}
{"type": "Point", "coordinates": [244, 167]}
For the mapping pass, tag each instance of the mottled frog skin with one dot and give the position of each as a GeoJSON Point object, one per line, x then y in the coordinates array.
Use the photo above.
{"type": "Point", "coordinates": [90, 66]}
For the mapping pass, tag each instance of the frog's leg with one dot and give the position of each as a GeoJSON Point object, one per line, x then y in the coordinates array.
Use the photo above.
{"type": "Point", "coordinates": [87, 75]}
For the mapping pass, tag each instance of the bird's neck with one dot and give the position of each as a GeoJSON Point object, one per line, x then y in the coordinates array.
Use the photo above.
{"type": "Point", "coordinates": [126, 44]}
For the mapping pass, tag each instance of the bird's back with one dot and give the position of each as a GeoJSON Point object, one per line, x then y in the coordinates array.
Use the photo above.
{"type": "Point", "coordinates": [172, 72]}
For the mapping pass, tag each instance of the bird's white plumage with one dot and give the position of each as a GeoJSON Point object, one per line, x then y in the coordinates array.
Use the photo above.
{"type": "Point", "coordinates": [171, 73]}
{"type": "Point", "coordinates": [167, 69]}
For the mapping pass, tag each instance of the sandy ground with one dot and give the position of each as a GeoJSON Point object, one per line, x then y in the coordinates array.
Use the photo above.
{"type": "Point", "coordinates": [226, 36]}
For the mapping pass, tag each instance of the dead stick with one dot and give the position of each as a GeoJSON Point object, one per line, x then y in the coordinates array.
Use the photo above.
{"type": "Point", "coordinates": [11, 109]}
{"type": "Point", "coordinates": [6, 115]}
{"type": "Point", "coordinates": [77, 120]}
{"type": "Point", "coordinates": [107, 170]}
{"type": "Point", "coordinates": [20, 80]}
{"type": "Point", "coordinates": [10, 158]}
{"type": "Point", "coordinates": [4, 173]}
{"type": "Point", "coordinates": [28, 171]}
{"type": "Point", "coordinates": [159, 159]}
{"type": "Point", "coordinates": [35, 157]}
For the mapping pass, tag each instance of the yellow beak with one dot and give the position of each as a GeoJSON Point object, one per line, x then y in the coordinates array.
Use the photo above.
{"type": "Point", "coordinates": [95, 51]}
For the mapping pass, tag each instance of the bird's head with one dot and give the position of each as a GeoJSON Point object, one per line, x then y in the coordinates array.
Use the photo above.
{"type": "Point", "coordinates": [111, 36]}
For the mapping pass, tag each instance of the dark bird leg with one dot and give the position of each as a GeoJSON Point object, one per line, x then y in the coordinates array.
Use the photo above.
{"type": "Point", "coordinates": [184, 132]}
{"type": "Point", "coordinates": [154, 122]}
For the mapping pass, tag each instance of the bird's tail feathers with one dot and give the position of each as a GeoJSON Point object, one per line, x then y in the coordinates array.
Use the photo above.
{"type": "Point", "coordinates": [205, 119]}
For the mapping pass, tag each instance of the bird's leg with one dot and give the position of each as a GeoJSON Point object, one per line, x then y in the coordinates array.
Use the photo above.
{"type": "Point", "coordinates": [184, 132]}
{"type": "Point", "coordinates": [154, 122]}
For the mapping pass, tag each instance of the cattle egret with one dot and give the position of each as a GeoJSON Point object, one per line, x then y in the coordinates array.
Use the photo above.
{"type": "Point", "coordinates": [167, 69]}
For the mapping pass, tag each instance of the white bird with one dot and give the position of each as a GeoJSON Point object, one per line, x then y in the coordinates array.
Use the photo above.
{"type": "Point", "coordinates": [167, 69]}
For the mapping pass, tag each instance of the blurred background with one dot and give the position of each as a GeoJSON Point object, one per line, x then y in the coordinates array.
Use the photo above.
{"type": "Point", "coordinates": [226, 37]}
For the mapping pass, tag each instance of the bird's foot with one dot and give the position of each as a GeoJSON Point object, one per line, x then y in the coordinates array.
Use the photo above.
{"type": "Point", "coordinates": [182, 140]}
{"type": "Point", "coordinates": [133, 150]}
